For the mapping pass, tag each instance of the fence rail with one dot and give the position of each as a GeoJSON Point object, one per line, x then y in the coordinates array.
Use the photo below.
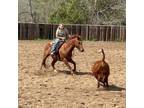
{"type": "Point", "coordinates": [30, 31]}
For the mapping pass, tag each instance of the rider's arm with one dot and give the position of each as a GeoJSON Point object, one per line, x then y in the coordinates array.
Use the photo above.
{"type": "Point", "coordinates": [67, 33]}
{"type": "Point", "coordinates": [57, 36]}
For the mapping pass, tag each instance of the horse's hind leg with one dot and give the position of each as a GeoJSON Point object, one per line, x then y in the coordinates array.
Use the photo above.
{"type": "Point", "coordinates": [53, 63]}
{"type": "Point", "coordinates": [98, 85]}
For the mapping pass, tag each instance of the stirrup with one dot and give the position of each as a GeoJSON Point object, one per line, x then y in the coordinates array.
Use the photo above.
{"type": "Point", "coordinates": [54, 55]}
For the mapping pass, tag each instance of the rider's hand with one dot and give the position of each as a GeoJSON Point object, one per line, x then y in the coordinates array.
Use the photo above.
{"type": "Point", "coordinates": [62, 38]}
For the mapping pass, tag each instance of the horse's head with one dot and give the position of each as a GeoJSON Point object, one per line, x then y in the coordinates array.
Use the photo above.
{"type": "Point", "coordinates": [77, 42]}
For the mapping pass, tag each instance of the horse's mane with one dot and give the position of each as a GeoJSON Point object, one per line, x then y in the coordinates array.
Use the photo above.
{"type": "Point", "coordinates": [74, 36]}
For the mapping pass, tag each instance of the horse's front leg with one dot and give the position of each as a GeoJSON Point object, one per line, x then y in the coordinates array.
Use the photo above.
{"type": "Point", "coordinates": [66, 62]}
{"type": "Point", "coordinates": [71, 61]}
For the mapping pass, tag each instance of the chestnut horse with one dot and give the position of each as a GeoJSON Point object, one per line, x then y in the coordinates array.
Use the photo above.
{"type": "Point", "coordinates": [65, 52]}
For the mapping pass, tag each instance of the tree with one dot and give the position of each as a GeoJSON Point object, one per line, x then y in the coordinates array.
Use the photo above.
{"type": "Point", "coordinates": [71, 11]}
{"type": "Point", "coordinates": [106, 11]}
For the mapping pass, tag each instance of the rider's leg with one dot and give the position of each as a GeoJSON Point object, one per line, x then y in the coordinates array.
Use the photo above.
{"type": "Point", "coordinates": [54, 45]}
{"type": "Point", "coordinates": [59, 45]}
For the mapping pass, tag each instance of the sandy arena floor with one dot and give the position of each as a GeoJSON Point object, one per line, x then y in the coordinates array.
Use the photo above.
{"type": "Point", "coordinates": [47, 89]}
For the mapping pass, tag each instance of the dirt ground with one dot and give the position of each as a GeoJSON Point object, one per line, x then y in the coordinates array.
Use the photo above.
{"type": "Point", "coordinates": [47, 89]}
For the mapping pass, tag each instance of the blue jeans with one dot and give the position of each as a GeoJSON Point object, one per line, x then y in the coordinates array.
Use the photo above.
{"type": "Point", "coordinates": [56, 44]}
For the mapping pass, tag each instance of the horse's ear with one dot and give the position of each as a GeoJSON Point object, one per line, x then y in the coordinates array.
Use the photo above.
{"type": "Point", "coordinates": [79, 37]}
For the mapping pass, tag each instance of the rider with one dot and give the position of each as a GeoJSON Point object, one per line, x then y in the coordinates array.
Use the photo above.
{"type": "Point", "coordinates": [61, 34]}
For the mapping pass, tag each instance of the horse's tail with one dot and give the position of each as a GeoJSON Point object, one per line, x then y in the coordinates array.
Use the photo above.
{"type": "Point", "coordinates": [43, 63]}
{"type": "Point", "coordinates": [46, 54]}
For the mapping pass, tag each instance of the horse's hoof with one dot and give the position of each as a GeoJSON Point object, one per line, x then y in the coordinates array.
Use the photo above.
{"type": "Point", "coordinates": [74, 71]}
{"type": "Point", "coordinates": [55, 71]}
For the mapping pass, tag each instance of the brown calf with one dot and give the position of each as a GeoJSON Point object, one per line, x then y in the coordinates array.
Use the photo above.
{"type": "Point", "coordinates": [101, 71]}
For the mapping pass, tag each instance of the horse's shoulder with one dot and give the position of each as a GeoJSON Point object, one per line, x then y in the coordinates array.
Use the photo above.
{"type": "Point", "coordinates": [63, 45]}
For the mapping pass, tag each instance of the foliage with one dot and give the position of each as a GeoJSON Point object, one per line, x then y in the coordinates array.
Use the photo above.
{"type": "Point", "coordinates": [73, 11]}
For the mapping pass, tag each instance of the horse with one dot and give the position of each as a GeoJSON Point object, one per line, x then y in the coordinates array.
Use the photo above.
{"type": "Point", "coordinates": [64, 52]}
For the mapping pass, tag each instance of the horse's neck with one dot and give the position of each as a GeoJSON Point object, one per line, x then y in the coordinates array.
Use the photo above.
{"type": "Point", "coordinates": [70, 45]}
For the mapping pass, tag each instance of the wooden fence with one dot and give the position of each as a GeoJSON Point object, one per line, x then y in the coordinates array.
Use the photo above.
{"type": "Point", "coordinates": [30, 31]}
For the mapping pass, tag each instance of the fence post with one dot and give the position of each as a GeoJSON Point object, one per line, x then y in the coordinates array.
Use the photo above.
{"type": "Point", "coordinates": [87, 32]}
